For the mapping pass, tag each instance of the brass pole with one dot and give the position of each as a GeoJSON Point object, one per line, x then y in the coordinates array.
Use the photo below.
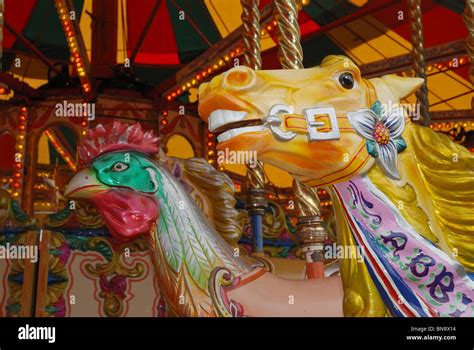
{"type": "Point", "coordinates": [255, 196]}
{"type": "Point", "coordinates": [251, 33]}
{"type": "Point", "coordinates": [256, 203]}
{"type": "Point", "coordinates": [311, 232]}
{"type": "Point", "coordinates": [418, 54]}
{"type": "Point", "coordinates": [290, 53]}
{"type": "Point", "coordinates": [469, 21]}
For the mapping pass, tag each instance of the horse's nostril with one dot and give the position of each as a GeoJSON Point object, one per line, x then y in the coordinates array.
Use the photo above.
{"type": "Point", "coordinates": [239, 78]}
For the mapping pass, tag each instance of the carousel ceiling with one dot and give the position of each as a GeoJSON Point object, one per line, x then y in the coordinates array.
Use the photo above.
{"type": "Point", "coordinates": [183, 30]}
{"type": "Point", "coordinates": [172, 40]}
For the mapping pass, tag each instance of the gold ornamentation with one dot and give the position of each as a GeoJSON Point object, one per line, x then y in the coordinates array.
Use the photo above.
{"type": "Point", "coordinates": [115, 266]}
{"type": "Point", "coordinates": [85, 212]}
{"type": "Point", "coordinates": [220, 277]}
{"type": "Point", "coordinates": [311, 232]}
{"type": "Point", "coordinates": [307, 200]}
{"type": "Point", "coordinates": [114, 271]}
{"type": "Point", "coordinates": [255, 188]}
{"type": "Point", "coordinates": [15, 306]}
{"type": "Point", "coordinates": [88, 215]}
{"type": "Point", "coordinates": [255, 176]}
{"type": "Point", "coordinates": [11, 214]}
{"type": "Point", "coordinates": [418, 54]}
{"type": "Point", "coordinates": [56, 267]}
{"type": "Point", "coordinates": [274, 221]}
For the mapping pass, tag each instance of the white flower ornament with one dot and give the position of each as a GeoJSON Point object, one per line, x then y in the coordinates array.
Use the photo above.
{"type": "Point", "coordinates": [382, 129]}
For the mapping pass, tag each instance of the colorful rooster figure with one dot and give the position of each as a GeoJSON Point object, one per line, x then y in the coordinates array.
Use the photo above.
{"type": "Point", "coordinates": [403, 194]}
{"type": "Point", "coordinates": [137, 195]}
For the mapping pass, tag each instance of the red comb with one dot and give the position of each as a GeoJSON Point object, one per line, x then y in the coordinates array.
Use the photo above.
{"type": "Point", "coordinates": [116, 137]}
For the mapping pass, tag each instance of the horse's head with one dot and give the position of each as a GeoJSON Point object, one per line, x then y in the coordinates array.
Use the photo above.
{"type": "Point", "coordinates": [303, 121]}
{"type": "Point", "coordinates": [121, 179]}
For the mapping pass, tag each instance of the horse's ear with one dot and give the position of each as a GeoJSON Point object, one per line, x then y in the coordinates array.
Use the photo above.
{"type": "Point", "coordinates": [400, 87]}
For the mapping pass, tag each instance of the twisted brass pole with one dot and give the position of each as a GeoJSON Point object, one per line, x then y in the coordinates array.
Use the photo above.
{"type": "Point", "coordinates": [256, 203]}
{"type": "Point", "coordinates": [255, 196]}
{"type": "Point", "coordinates": [311, 233]}
{"type": "Point", "coordinates": [290, 53]}
{"type": "Point", "coordinates": [251, 33]}
{"type": "Point", "coordinates": [418, 54]}
{"type": "Point", "coordinates": [469, 21]}
{"type": "Point", "coordinates": [307, 200]}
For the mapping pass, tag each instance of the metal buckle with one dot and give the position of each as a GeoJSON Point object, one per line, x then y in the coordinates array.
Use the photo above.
{"type": "Point", "coordinates": [313, 134]}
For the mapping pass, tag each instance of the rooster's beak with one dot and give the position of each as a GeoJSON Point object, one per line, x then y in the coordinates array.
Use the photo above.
{"type": "Point", "coordinates": [84, 185]}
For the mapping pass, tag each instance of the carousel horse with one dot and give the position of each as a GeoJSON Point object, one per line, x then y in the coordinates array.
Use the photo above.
{"type": "Point", "coordinates": [403, 194]}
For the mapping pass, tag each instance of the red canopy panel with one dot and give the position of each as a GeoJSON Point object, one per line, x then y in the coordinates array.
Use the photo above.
{"type": "Point", "coordinates": [159, 46]}
{"type": "Point", "coordinates": [440, 24]}
{"type": "Point", "coordinates": [7, 145]}
{"type": "Point", "coordinates": [307, 25]}
{"type": "Point", "coordinates": [17, 13]}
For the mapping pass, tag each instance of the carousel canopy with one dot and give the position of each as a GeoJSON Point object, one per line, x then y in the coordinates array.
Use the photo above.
{"type": "Point", "coordinates": [375, 34]}
{"type": "Point", "coordinates": [174, 40]}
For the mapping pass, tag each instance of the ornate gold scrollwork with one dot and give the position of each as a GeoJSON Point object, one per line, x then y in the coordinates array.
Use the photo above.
{"type": "Point", "coordinates": [15, 284]}
{"type": "Point", "coordinates": [115, 264]}
{"type": "Point", "coordinates": [88, 215]}
{"type": "Point", "coordinates": [85, 212]}
{"type": "Point", "coordinates": [220, 277]}
{"type": "Point", "coordinates": [113, 274]}
{"type": "Point", "coordinates": [11, 214]}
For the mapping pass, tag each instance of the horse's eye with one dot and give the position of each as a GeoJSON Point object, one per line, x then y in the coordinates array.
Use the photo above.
{"type": "Point", "coordinates": [346, 80]}
{"type": "Point", "coordinates": [119, 167]}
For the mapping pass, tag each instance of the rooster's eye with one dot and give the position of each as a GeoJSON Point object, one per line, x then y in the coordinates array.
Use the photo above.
{"type": "Point", "coordinates": [119, 167]}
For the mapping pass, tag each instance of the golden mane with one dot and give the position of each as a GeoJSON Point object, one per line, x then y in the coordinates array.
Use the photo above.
{"type": "Point", "coordinates": [216, 189]}
{"type": "Point", "coordinates": [219, 188]}
{"type": "Point", "coordinates": [439, 184]}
